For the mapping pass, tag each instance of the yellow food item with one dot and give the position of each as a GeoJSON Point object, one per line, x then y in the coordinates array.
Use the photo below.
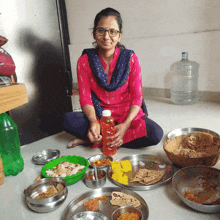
{"type": "Point", "coordinates": [126, 165]}
{"type": "Point", "coordinates": [115, 165]}
{"type": "Point", "coordinates": [120, 177]}
{"type": "Point", "coordinates": [119, 169]}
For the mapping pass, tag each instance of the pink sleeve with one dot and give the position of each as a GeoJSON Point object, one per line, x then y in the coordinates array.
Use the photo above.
{"type": "Point", "coordinates": [135, 81]}
{"type": "Point", "coordinates": [83, 81]}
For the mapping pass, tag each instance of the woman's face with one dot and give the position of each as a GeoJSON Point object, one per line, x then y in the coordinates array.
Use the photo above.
{"type": "Point", "coordinates": [106, 42]}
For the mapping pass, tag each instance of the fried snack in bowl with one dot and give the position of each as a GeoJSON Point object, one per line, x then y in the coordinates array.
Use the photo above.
{"type": "Point", "coordinates": [192, 149]}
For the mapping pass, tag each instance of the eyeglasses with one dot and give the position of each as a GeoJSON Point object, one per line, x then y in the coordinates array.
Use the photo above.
{"type": "Point", "coordinates": [111, 32]}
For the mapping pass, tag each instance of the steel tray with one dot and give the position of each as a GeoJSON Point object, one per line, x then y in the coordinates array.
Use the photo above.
{"type": "Point", "coordinates": [145, 161]}
{"type": "Point", "coordinates": [76, 205]}
{"type": "Point", "coordinates": [182, 131]}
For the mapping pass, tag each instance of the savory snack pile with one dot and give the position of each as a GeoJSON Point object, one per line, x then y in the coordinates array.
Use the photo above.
{"type": "Point", "coordinates": [120, 171]}
{"type": "Point", "coordinates": [51, 191]}
{"type": "Point", "coordinates": [65, 169]}
{"type": "Point", "coordinates": [194, 145]}
{"type": "Point", "coordinates": [147, 176]}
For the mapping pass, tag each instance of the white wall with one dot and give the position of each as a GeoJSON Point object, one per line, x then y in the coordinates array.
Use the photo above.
{"type": "Point", "coordinates": [158, 31]}
{"type": "Point", "coordinates": [17, 20]}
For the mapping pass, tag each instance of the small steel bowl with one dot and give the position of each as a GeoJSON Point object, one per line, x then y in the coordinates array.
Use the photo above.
{"type": "Point", "coordinates": [48, 204]}
{"type": "Point", "coordinates": [89, 215]}
{"type": "Point", "coordinates": [190, 179]}
{"type": "Point", "coordinates": [45, 156]}
{"type": "Point", "coordinates": [98, 157]}
{"type": "Point", "coordinates": [95, 183]}
{"type": "Point", "coordinates": [131, 209]}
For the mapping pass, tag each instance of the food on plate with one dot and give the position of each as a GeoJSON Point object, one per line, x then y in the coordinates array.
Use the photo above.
{"type": "Point", "coordinates": [128, 216]}
{"type": "Point", "coordinates": [123, 199]}
{"type": "Point", "coordinates": [147, 176]}
{"type": "Point", "coordinates": [93, 204]}
{"type": "Point", "coordinates": [121, 171]}
{"type": "Point", "coordinates": [101, 162]}
{"type": "Point", "coordinates": [51, 191]}
{"type": "Point", "coordinates": [126, 165]}
{"type": "Point", "coordinates": [193, 145]}
{"type": "Point", "coordinates": [65, 169]}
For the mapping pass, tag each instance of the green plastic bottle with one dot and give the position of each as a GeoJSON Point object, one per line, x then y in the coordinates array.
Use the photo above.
{"type": "Point", "coordinates": [10, 147]}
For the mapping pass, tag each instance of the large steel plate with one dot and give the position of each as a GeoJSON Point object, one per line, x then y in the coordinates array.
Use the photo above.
{"type": "Point", "coordinates": [76, 205]}
{"type": "Point", "coordinates": [139, 161]}
{"type": "Point", "coordinates": [182, 131]}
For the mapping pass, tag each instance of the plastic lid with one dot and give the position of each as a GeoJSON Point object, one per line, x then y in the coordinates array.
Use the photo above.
{"type": "Point", "coordinates": [106, 113]}
{"type": "Point", "coordinates": [184, 52]}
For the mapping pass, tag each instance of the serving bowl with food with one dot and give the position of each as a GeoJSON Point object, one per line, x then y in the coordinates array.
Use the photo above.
{"type": "Point", "coordinates": [199, 188]}
{"type": "Point", "coordinates": [70, 168]}
{"type": "Point", "coordinates": [127, 212]}
{"type": "Point", "coordinates": [92, 182]}
{"type": "Point", "coordinates": [101, 161]}
{"type": "Point", "coordinates": [46, 195]}
{"type": "Point", "coordinates": [199, 147]}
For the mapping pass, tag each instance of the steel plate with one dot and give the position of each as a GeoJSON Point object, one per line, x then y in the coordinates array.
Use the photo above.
{"type": "Point", "coordinates": [182, 131]}
{"type": "Point", "coordinates": [145, 161]}
{"type": "Point", "coordinates": [76, 205]}
{"type": "Point", "coordinates": [45, 156]}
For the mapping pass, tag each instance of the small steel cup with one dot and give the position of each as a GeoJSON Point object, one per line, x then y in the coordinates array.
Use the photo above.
{"type": "Point", "coordinates": [95, 183]}
{"type": "Point", "coordinates": [121, 210]}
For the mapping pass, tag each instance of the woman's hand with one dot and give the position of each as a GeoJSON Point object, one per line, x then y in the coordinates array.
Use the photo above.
{"type": "Point", "coordinates": [119, 135]}
{"type": "Point", "coordinates": [94, 133]}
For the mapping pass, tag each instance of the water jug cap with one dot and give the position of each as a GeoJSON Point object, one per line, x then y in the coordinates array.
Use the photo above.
{"type": "Point", "coordinates": [106, 113]}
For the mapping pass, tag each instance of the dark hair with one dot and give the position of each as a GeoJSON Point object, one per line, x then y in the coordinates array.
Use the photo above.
{"type": "Point", "coordinates": [105, 13]}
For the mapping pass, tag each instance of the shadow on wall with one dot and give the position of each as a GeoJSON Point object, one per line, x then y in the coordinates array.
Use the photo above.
{"type": "Point", "coordinates": [48, 101]}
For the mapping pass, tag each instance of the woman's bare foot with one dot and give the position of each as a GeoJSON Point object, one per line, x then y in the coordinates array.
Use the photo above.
{"type": "Point", "coordinates": [77, 142]}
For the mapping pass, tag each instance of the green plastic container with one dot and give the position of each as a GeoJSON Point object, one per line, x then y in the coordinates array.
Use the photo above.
{"type": "Point", "coordinates": [72, 159]}
{"type": "Point", "coordinates": [10, 148]}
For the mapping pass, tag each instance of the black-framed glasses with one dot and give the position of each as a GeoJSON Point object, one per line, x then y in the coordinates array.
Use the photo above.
{"type": "Point", "coordinates": [111, 32]}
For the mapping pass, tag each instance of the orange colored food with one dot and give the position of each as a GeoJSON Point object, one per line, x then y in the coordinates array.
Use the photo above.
{"type": "Point", "coordinates": [129, 216]}
{"type": "Point", "coordinates": [93, 204]}
{"type": "Point", "coordinates": [92, 177]}
{"type": "Point", "coordinates": [190, 196]}
{"type": "Point", "coordinates": [101, 162]}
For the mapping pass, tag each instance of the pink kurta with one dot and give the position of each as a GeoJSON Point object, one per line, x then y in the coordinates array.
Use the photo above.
{"type": "Point", "coordinates": [117, 101]}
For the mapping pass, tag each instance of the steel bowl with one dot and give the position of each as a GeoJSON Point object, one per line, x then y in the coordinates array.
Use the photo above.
{"type": "Point", "coordinates": [89, 215]}
{"type": "Point", "coordinates": [94, 184]}
{"type": "Point", "coordinates": [98, 157]}
{"type": "Point", "coordinates": [192, 179]}
{"type": "Point", "coordinates": [48, 204]}
{"type": "Point", "coordinates": [130, 209]}
{"type": "Point", "coordinates": [45, 156]}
